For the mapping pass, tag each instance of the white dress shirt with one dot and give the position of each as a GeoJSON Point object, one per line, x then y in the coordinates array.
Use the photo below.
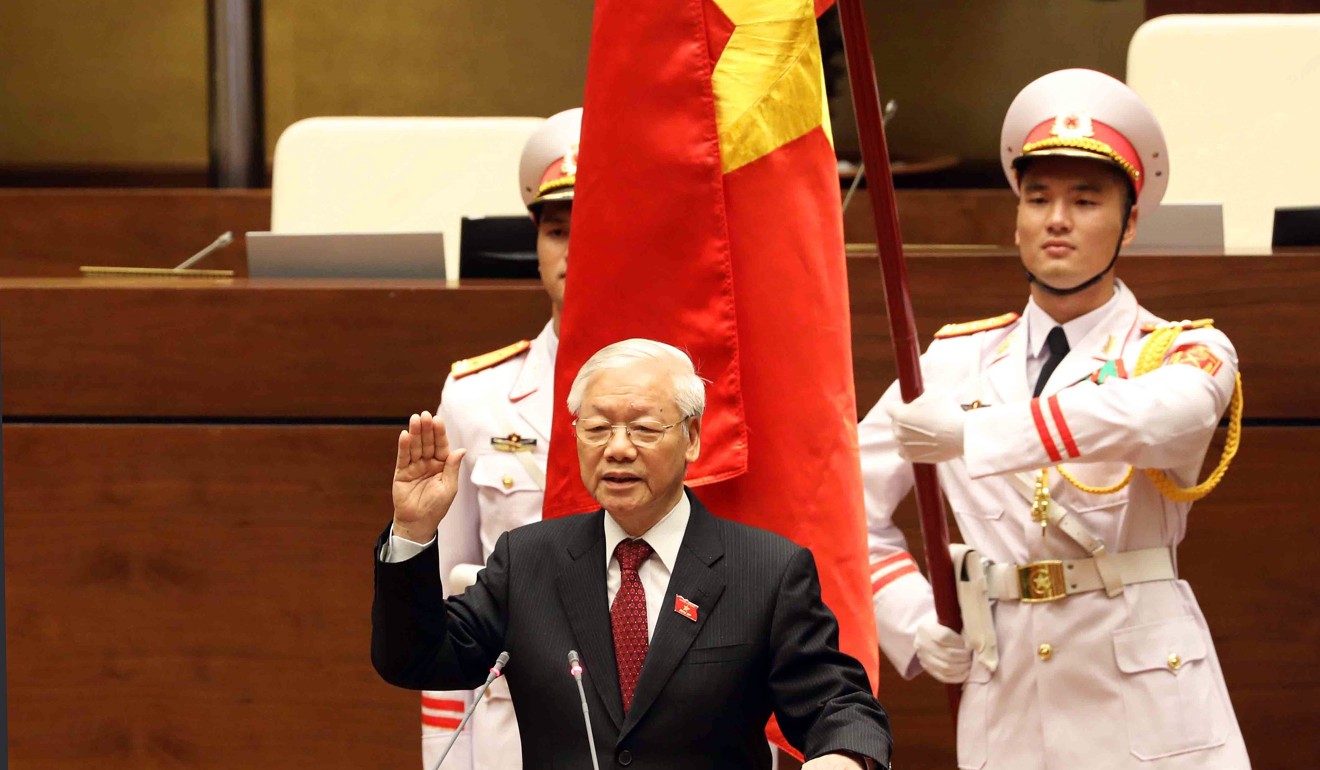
{"type": "Point", "coordinates": [664, 537]}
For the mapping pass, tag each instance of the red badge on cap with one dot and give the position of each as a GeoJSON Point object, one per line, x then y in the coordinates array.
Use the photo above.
{"type": "Point", "coordinates": [685, 608]}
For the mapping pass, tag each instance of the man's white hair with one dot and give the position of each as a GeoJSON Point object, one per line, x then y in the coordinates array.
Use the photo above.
{"type": "Point", "coordinates": [689, 391]}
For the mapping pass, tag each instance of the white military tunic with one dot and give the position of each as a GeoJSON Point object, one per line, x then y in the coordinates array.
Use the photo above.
{"type": "Point", "coordinates": [1107, 692]}
{"type": "Point", "coordinates": [496, 493]}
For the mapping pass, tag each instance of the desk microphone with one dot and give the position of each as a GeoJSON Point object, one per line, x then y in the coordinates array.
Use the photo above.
{"type": "Point", "coordinates": [575, 668]}
{"type": "Point", "coordinates": [495, 670]}
{"type": "Point", "coordinates": [224, 240]}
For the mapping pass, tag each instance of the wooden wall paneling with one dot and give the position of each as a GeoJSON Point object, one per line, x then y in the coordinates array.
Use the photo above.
{"type": "Point", "coordinates": [188, 348]}
{"type": "Point", "coordinates": [338, 349]}
{"type": "Point", "coordinates": [198, 595]}
{"type": "Point", "coordinates": [53, 232]}
{"type": "Point", "coordinates": [193, 596]}
{"type": "Point", "coordinates": [939, 216]}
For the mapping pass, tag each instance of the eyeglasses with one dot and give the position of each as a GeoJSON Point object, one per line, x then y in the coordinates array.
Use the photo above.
{"type": "Point", "coordinates": [642, 433]}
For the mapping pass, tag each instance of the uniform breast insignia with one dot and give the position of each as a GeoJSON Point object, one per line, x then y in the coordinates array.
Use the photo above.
{"type": "Point", "coordinates": [977, 404]}
{"type": "Point", "coordinates": [475, 364]}
{"type": "Point", "coordinates": [1198, 356]}
{"type": "Point", "coordinates": [1200, 323]}
{"type": "Point", "coordinates": [972, 327]}
{"type": "Point", "coordinates": [1114, 369]}
{"type": "Point", "coordinates": [512, 443]}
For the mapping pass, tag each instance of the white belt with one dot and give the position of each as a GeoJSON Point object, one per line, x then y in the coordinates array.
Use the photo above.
{"type": "Point", "coordinates": [1047, 581]}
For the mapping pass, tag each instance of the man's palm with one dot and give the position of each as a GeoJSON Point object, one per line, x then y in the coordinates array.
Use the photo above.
{"type": "Point", "coordinates": [425, 477]}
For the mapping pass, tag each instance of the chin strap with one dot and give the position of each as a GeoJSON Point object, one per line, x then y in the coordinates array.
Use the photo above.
{"type": "Point", "coordinates": [1088, 283]}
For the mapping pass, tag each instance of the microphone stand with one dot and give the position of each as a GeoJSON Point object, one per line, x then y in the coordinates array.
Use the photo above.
{"type": "Point", "coordinates": [575, 668]}
{"type": "Point", "coordinates": [495, 670]}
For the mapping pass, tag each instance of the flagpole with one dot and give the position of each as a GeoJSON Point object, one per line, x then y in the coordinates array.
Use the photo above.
{"type": "Point", "coordinates": [898, 303]}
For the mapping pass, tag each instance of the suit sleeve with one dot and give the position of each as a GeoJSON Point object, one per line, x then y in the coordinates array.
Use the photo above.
{"type": "Point", "coordinates": [422, 641]}
{"type": "Point", "coordinates": [1163, 419]}
{"type": "Point", "coordinates": [458, 542]}
{"type": "Point", "coordinates": [900, 594]}
{"type": "Point", "coordinates": [822, 697]}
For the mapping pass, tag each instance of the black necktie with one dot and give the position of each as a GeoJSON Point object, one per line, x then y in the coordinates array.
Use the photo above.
{"type": "Point", "coordinates": [1057, 342]}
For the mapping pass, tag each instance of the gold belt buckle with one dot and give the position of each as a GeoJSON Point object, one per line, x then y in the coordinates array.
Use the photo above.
{"type": "Point", "coordinates": [1042, 581]}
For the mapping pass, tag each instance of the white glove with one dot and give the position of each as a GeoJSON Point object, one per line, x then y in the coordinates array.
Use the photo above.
{"type": "Point", "coordinates": [930, 429]}
{"type": "Point", "coordinates": [943, 653]}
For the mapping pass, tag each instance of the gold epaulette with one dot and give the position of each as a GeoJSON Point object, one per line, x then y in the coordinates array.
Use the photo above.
{"type": "Point", "coordinates": [1200, 323]}
{"type": "Point", "coordinates": [467, 366]}
{"type": "Point", "coordinates": [972, 327]}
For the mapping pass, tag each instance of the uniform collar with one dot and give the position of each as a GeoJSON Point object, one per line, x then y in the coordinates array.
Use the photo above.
{"type": "Point", "coordinates": [1039, 323]}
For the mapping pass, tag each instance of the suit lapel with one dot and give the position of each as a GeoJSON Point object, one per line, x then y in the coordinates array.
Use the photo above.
{"type": "Point", "coordinates": [695, 580]}
{"type": "Point", "coordinates": [583, 599]}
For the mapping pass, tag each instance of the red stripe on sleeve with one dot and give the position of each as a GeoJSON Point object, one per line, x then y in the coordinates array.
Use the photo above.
{"type": "Point", "coordinates": [890, 577]}
{"type": "Point", "coordinates": [443, 704]}
{"type": "Point", "coordinates": [1045, 439]}
{"type": "Point", "coordinates": [1062, 425]}
{"type": "Point", "coordinates": [888, 560]}
{"type": "Point", "coordinates": [447, 723]}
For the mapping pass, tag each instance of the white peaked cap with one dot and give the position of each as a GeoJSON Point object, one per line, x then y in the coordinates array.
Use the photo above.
{"type": "Point", "coordinates": [1085, 113]}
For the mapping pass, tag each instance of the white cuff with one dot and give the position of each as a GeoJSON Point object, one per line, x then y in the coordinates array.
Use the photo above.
{"type": "Point", "coordinates": [398, 549]}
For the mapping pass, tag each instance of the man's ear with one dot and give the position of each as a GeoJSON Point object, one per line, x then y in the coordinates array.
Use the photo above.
{"type": "Point", "coordinates": [694, 440]}
{"type": "Point", "coordinates": [1130, 231]}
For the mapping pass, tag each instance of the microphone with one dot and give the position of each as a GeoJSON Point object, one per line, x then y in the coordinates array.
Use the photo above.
{"type": "Point", "coordinates": [226, 238]}
{"type": "Point", "coordinates": [575, 668]}
{"type": "Point", "coordinates": [495, 670]}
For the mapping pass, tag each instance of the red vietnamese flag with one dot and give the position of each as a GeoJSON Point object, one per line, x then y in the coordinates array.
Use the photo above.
{"type": "Point", "coordinates": [706, 215]}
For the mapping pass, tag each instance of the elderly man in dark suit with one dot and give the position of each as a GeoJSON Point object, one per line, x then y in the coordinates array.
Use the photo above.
{"type": "Point", "coordinates": [693, 629]}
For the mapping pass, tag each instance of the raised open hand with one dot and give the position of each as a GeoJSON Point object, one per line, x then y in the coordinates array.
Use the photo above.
{"type": "Point", "coordinates": [425, 478]}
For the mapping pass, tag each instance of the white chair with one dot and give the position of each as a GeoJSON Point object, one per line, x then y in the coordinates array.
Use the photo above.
{"type": "Point", "coordinates": [369, 174]}
{"type": "Point", "coordinates": [1238, 97]}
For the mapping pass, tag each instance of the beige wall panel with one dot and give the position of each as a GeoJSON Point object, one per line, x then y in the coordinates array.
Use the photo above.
{"type": "Point", "coordinates": [102, 82]}
{"type": "Point", "coordinates": [954, 67]}
{"type": "Point", "coordinates": [124, 82]}
{"type": "Point", "coordinates": [423, 57]}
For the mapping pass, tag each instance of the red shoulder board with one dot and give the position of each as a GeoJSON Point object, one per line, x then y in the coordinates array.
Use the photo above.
{"type": "Point", "coordinates": [972, 327]}
{"type": "Point", "coordinates": [1200, 323]}
{"type": "Point", "coordinates": [467, 366]}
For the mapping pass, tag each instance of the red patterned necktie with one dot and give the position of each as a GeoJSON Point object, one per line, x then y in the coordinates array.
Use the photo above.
{"type": "Point", "coordinates": [628, 617]}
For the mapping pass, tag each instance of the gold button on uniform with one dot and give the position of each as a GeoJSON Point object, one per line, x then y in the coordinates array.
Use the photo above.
{"type": "Point", "coordinates": [1045, 651]}
{"type": "Point", "coordinates": [508, 482]}
{"type": "Point", "coordinates": [1175, 662]}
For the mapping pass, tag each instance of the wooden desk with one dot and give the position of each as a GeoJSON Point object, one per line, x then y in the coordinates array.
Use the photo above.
{"type": "Point", "coordinates": [51, 232]}
{"type": "Point", "coordinates": [338, 349]}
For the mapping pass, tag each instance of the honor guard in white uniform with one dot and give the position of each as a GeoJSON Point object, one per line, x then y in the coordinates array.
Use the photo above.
{"type": "Point", "coordinates": [499, 405]}
{"type": "Point", "coordinates": [1068, 441]}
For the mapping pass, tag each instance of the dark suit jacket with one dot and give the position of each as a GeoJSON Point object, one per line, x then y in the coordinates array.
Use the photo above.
{"type": "Point", "coordinates": [763, 642]}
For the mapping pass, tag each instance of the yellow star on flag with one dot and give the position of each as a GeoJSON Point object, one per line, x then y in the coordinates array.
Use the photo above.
{"type": "Point", "coordinates": [769, 84]}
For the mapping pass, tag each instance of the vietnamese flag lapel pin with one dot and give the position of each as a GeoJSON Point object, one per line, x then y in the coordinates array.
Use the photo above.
{"type": "Point", "coordinates": [685, 608]}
